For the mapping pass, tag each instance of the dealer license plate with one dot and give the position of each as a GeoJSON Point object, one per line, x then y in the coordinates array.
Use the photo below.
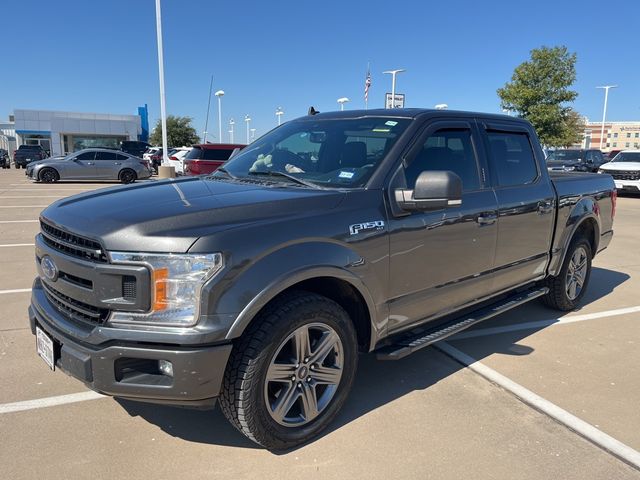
{"type": "Point", "coordinates": [44, 346]}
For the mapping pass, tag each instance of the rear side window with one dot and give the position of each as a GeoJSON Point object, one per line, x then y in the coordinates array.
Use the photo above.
{"type": "Point", "coordinates": [217, 154]}
{"type": "Point", "coordinates": [105, 155]}
{"type": "Point", "coordinates": [121, 157]}
{"type": "Point", "coordinates": [512, 158]}
{"type": "Point", "coordinates": [195, 153]}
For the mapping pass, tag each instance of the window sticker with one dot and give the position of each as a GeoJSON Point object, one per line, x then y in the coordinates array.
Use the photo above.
{"type": "Point", "coordinates": [390, 123]}
{"type": "Point", "coordinates": [346, 175]}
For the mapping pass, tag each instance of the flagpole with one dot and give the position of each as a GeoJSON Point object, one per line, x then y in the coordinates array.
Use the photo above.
{"type": "Point", "coordinates": [366, 97]}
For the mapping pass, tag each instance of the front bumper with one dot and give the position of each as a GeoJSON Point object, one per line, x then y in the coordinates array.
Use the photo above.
{"type": "Point", "coordinates": [126, 369]}
{"type": "Point", "coordinates": [627, 185]}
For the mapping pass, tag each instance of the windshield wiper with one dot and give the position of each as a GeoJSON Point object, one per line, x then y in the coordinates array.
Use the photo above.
{"type": "Point", "coordinates": [224, 170]}
{"type": "Point", "coordinates": [277, 173]}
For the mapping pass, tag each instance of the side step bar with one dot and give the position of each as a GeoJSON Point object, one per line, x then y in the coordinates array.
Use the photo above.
{"type": "Point", "coordinates": [422, 337]}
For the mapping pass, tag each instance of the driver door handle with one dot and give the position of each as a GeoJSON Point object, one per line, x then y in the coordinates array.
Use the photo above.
{"type": "Point", "coordinates": [89, 163]}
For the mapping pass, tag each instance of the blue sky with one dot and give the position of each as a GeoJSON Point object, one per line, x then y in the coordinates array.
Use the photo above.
{"type": "Point", "coordinates": [100, 56]}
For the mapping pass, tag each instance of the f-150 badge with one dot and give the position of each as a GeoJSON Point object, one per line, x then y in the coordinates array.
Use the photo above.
{"type": "Point", "coordinates": [359, 227]}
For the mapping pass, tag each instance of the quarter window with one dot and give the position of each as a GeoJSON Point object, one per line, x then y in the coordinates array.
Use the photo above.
{"type": "Point", "coordinates": [512, 158]}
{"type": "Point", "coordinates": [447, 149]}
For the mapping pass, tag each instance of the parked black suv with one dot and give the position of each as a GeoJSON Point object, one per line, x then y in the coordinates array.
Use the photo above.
{"type": "Point", "coordinates": [26, 154]}
{"type": "Point", "coordinates": [4, 159]}
{"type": "Point", "coordinates": [134, 148]}
{"type": "Point", "coordinates": [575, 160]}
{"type": "Point", "coordinates": [334, 234]}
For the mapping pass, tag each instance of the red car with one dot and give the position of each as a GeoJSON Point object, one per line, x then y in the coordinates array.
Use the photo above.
{"type": "Point", "coordinates": [206, 158]}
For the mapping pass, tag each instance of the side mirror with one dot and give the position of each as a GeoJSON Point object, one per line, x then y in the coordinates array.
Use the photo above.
{"type": "Point", "coordinates": [434, 190]}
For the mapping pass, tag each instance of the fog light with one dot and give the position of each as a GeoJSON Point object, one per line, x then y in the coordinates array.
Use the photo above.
{"type": "Point", "coordinates": [166, 367]}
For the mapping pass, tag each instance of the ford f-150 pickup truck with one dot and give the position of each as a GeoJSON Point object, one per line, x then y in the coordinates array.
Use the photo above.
{"type": "Point", "coordinates": [334, 234]}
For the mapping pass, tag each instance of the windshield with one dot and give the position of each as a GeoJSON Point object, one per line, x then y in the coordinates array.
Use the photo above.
{"type": "Point", "coordinates": [564, 155]}
{"type": "Point", "coordinates": [627, 157]}
{"type": "Point", "coordinates": [340, 153]}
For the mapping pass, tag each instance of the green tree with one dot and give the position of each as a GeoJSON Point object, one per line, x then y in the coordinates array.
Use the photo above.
{"type": "Point", "coordinates": [180, 132]}
{"type": "Point", "coordinates": [539, 91]}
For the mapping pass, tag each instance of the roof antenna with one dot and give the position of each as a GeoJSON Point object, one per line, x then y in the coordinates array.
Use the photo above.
{"type": "Point", "coordinates": [312, 111]}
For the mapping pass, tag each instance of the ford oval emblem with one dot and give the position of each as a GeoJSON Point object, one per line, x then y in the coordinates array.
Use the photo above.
{"type": "Point", "coordinates": [49, 268]}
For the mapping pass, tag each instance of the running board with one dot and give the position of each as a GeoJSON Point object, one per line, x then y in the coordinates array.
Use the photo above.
{"type": "Point", "coordinates": [422, 337]}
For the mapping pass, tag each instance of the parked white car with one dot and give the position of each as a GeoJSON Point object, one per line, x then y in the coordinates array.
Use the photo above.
{"type": "Point", "coordinates": [176, 158]}
{"type": "Point", "coordinates": [625, 170]}
{"type": "Point", "coordinates": [150, 151]}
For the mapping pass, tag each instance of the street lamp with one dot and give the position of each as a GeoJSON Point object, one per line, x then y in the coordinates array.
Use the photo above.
{"type": "Point", "coordinates": [393, 74]}
{"type": "Point", "coordinates": [279, 113]}
{"type": "Point", "coordinates": [342, 101]}
{"type": "Point", "coordinates": [163, 112]}
{"type": "Point", "coordinates": [247, 119]}
{"type": "Point", "coordinates": [219, 94]}
{"type": "Point", "coordinates": [231, 124]}
{"type": "Point", "coordinates": [604, 113]}
{"type": "Point", "coordinates": [253, 134]}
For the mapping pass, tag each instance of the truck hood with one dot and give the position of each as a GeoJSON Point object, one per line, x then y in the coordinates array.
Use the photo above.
{"type": "Point", "coordinates": [630, 166]}
{"type": "Point", "coordinates": [170, 215]}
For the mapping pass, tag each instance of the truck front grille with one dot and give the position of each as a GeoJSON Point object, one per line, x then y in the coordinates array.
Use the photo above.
{"type": "Point", "coordinates": [75, 309]}
{"type": "Point", "coordinates": [72, 244]}
{"type": "Point", "coordinates": [624, 175]}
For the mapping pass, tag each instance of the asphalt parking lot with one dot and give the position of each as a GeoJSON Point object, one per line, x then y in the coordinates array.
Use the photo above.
{"type": "Point", "coordinates": [426, 416]}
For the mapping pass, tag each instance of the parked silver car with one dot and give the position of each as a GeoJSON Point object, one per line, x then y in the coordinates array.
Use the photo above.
{"type": "Point", "coordinates": [90, 164]}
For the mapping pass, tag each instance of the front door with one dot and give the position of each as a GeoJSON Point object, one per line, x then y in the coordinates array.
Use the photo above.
{"type": "Point", "coordinates": [82, 166]}
{"type": "Point", "coordinates": [440, 259]}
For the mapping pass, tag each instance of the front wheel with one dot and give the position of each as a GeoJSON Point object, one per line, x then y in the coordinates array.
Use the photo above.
{"type": "Point", "coordinates": [49, 175]}
{"type": "Point", "coordinates": [567, 289]}
{"type": "Point", "coordinates": [291, 372]}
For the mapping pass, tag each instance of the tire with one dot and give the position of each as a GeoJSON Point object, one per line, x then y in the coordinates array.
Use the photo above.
{"type": "Point", "coordinates": [561, 296]}
{"type": "Point", "coordinates": [48, 175]}
{"type": "Point", "coordinates": [250, 393]}
{"type": "Point", "coordinates": [127, 176]}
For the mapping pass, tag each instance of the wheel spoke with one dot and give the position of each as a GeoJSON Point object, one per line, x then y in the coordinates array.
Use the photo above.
{"type": "Point", "coordinates": [301, 344]}
{"type": "Point", "coordinates": [285, 401]}
{"type": "Point", "coordinates": [572, 289]}
{"type": "Point", "coordinates": [309, 402]}
{"type": "Point", "coordinates": [325, 345]}
{"type": "Point", "coordinates": [280, 372]}
{"type": "Point", "coordinates": [579, 279]}
{"type": "Point", "coordinates": [328, 375]}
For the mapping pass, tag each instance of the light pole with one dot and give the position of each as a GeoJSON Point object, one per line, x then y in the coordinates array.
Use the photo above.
{"type": "Point", "coordinates": [247, 119]}
{"type": "Point", "coordinates": [253, 134]}
{"type": "Point", "coordinates": [219, 94]}
{"type": "Point", "coordinates": [279, 113]}
{"type": "Point", "coordinates": [163, 112]}
{"type": "Point", "coordinates": [604, 113]}
{"type": "Point", "coordinates": [342, 101]}
{"type": "Point", "coordinates": [393, 74]}
{"type": "Point", "coordinates": [231, 124]}
{"type": "Point", "coordinates": [206, 122]}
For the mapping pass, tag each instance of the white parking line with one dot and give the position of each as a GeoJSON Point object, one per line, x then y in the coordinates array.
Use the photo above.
{"type": "Point", "coordinates": [7, 245]}
{"type": "Point", "coordinates": [23, 206]}
{"type": "Point", "coordinates": [19, 221]}
{"type": "Point", "coordinates": [29, 196]}
{"type": "Point", "coordinates": [481, 332]}
{"type": "Point", "coordinates": [18, 290]}
{"type": "Point", "coordinates": [586, 430]}
{"type": "Point", "coordinates": [48, 402]}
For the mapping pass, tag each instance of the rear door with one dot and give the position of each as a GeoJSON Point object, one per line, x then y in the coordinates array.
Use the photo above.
{"type": "Point", "coordinates": [440, 259]}
{"type": "Point", "coordinates": [107, 165]}
{"type": "Point", "coordinates": [82, 166]}
{"type": "Point", "coordinates": [526, 204]}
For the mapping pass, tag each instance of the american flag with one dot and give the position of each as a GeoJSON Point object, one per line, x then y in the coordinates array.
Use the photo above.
{"type": "Point", "coordinates": [367, 84]}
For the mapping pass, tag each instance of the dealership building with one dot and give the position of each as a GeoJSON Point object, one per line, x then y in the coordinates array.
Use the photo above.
{"type": "Point", "coordinates": [64, 132]}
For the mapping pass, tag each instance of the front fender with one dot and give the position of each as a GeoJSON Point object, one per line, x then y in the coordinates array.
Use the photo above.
{"type": "Point", "coordinates": [246, 289]}
{"type": "Point", "coordinates": [571, 216]}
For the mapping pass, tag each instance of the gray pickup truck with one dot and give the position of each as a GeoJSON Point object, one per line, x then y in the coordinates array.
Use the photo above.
{"type": "Point", "coordinates": [334, 234]}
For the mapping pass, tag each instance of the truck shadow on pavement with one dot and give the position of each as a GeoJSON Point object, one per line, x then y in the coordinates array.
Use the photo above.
{"type": "Point", "coordinates": [377, 383]}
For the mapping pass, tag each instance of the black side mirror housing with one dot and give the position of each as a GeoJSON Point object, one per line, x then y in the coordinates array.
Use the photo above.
{"type": "Point", "coordinates": [434, 190]}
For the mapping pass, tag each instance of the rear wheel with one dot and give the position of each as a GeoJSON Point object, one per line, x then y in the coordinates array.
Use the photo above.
{"type": "Point", "coordinates": [48, 175]}
{"type": "Point", "coordinates": [127, 176]}
{"type": "Point", "coordinates": [567, 289]}
{"type": "Point", "coordinates": [291, 372]}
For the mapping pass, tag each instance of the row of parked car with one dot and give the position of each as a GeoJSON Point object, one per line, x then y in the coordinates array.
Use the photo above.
{"type": "Point", "coordinates": [195, 160]}
{"type": "Point", "coordinates": [622, 165]}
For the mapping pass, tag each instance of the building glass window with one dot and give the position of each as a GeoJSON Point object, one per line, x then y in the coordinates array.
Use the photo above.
{"type": "Point", "coordinates": [615, 144]}
{"type": "Point", "coordinates": [628, 135]}
{"type": "Point", "coordinates": [637, 135]}
{"type": "Point", "coordinates": [615, 135]}
{"type": "Point", "coordinates": [626, 145]}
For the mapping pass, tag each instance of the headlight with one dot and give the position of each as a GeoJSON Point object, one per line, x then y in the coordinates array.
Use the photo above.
{"type": "Point", "coordinates": [600, 170]}
{"type": "Point", "coordinates": [176, 282]}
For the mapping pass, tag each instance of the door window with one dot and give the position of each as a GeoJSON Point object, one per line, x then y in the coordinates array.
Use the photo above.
{"type": "Point", "coordinates": [106, 156]}
{"type": "Point", "coordinates": [447, 149]}
{"type": "Point", "coordinates": [217, 154]}
{"type": "Point", "coordinates": [512, 158]}
{"type": "Point", "coordinates": [86, 156]}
